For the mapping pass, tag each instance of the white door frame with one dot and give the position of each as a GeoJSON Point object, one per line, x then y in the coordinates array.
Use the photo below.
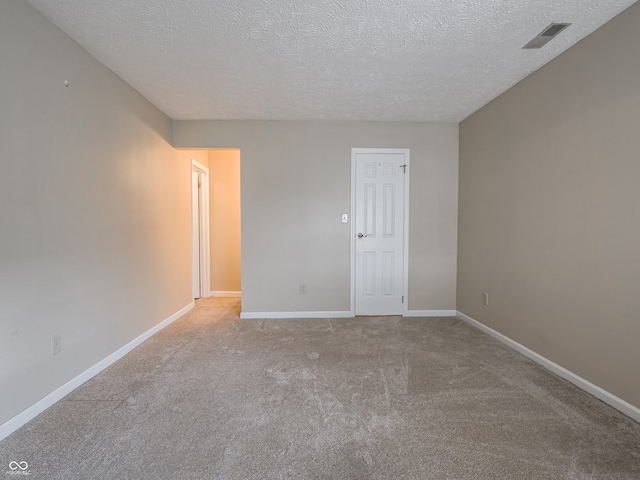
{"type": "Point", "coordinates": [205, 267]}
{"type": "Point", "coordinates": [405, 219]}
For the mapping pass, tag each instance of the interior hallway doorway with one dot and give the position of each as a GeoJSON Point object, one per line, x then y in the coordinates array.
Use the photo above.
{"type": "Point", "coordinates": [216, 221]}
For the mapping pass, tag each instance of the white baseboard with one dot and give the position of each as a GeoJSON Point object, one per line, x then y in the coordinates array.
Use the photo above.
{"type": "Point", "coordinates": [606, 397]}
{"type": "Point", "coordinates": [37, 408]}
{"type": "Point", "coordinates": [222, 293]}
{"type": "Point", "coordinates": [429, 313]}
{"type": "Point", "coordinates": [255, 315]}
{"type": "Point", "coordinates": [341, 314]}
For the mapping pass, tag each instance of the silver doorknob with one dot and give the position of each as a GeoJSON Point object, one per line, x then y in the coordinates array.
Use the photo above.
{"type": "Point", "coordinates": [360, 235]}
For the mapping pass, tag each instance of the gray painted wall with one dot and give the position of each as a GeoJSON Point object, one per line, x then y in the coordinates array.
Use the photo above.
{"type": "Point", "coordinates": [295, 182]}
{"type": "Point", "coordinates": [550, 210]}
{"type": "Point", "coordinates": [94, 211]}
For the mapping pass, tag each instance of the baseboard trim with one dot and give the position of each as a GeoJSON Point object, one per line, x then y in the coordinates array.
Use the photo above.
{"type": "Point", "coordinates": [429, 313]}
{"type": "Point", "coordinates": [37, 408]}
{"type": "Point", "coordinates": [260, 315]}
{"type": "Point", "coordinates": [608, 398]}
{"type": "Point", "coordinates": [340, 314]}
{"type": "Point", "coordinates": [222, 293]}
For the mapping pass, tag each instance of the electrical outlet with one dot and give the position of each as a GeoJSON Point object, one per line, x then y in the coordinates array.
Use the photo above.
{"type": "Point", "coordinates": [56, 344]}
{"type": "Point", "coordinates": [303, 289]}
{"type": "Point", "coordinates": [485, 298]}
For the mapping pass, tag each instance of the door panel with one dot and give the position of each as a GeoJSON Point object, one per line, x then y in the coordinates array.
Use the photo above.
{"type": "Point", "coordinates": [379, 228]}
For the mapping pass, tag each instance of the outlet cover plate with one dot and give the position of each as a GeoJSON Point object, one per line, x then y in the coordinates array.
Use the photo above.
{"type": "Point", "coordinates": [56, 344]}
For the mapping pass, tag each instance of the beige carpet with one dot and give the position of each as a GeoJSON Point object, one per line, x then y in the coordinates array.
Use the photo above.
{"type": "Point", "coordinates": [216, 397]}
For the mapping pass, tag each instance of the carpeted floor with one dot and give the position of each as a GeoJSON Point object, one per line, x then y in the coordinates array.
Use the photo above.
{"type": "Point", "coordinates": [216, 397]}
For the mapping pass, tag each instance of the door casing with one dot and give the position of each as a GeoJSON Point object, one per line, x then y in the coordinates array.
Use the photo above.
{"type": "Point", "coordinates": [405, 248]}
{"type": "Point", "coordinates": [203, 240]}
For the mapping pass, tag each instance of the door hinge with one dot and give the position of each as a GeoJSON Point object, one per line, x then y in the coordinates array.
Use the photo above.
{"type": "Point", "coordinates": [404, 168]}
{"type": "Point", "coordinates": [402, 298]}
{"type": "Point", "coordinates": [199, 185]}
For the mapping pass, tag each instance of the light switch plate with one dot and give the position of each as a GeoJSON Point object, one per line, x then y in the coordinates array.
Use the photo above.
{"type": "Point", "coordinates": [345, 218]}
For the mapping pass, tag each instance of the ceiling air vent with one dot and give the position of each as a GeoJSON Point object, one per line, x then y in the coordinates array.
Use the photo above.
{"type": "Point", "coordinates": [547, 34]}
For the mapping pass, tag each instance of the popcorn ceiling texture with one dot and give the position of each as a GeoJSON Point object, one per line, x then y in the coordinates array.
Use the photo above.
{"type": "Point", "coordinates": [386, 60]}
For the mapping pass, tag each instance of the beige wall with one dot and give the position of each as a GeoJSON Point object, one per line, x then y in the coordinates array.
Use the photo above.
{"type": "Point", "coordinates": [201, 156]}
{"type": "Point", "coordinates": [94, 211]}
{"type": "Point", "coordinates": [296, 183]}
{"type": "Point", "coordinates": [224, 212]}
{"type": "Point", "coordinates": [550, 208]}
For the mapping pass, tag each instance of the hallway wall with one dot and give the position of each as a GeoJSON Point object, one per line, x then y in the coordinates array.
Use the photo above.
{"type": "Point", "coordinates": [225, 227]}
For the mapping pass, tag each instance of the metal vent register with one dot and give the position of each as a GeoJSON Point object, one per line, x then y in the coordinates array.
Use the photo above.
{"type": "Point", "coordinates": [546, 35]}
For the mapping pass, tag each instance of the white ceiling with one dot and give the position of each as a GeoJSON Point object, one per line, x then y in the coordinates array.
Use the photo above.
{"type": "Point", "coordinates": [402, 60]}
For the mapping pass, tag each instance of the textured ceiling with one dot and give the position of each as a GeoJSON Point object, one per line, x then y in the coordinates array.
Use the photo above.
{"type": "Point", "coordinates": [387, 60]}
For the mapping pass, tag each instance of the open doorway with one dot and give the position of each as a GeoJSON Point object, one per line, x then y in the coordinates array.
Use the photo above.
{"type": "Point", "coordinates": [215, 220]}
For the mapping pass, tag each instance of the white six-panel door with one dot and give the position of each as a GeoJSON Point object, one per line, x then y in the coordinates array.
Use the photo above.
{"type": "Point", "coordinates": [379, 230]}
